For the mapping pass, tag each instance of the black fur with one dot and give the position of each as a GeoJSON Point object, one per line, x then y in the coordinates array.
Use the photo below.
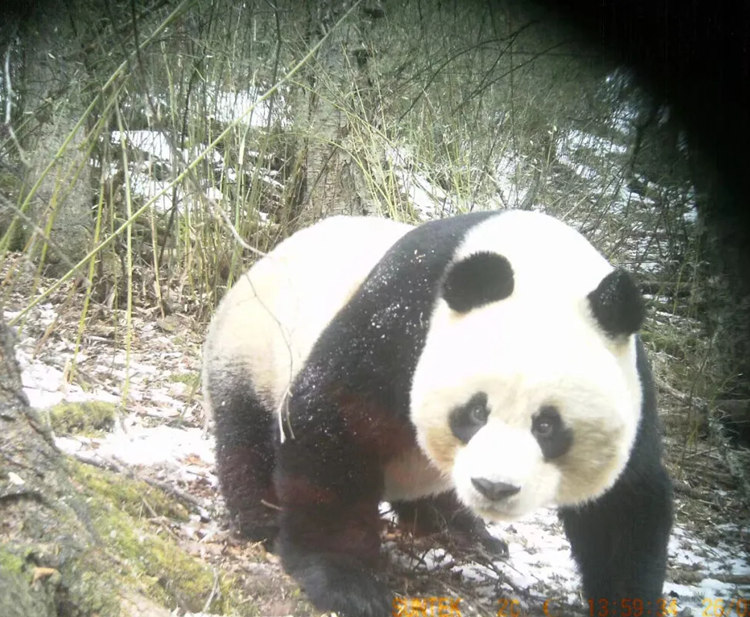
{"type": "Point", "coordinates": [617, 304]}
{"type": "Point", "coordinates": [466, 420]}
{"type": "Point", "coordinates": [245, 445]}
{"type": "Point", "coordinates": [477, 280]}
{"type": "Point", "coordinates": [553, 437]}
{"type": "Point", "coordinates": [620, 540]}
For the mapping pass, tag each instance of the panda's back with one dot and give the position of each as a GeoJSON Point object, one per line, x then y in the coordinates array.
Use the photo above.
{"type": "Point", "coordinates": [269, 320]}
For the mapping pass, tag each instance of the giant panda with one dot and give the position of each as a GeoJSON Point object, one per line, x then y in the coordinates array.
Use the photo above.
{"type": "Point", "coordinates": [477, 367]}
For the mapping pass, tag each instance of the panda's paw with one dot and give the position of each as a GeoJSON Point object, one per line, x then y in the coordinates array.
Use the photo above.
{"type": "Point", "coordinates": [480, 535]}
{"type": "Point", "coordinates": [495, 547]}
{"type": "Point", "coordinates": [480, 540]}
{"type": "Point", "coordinates": [348, 589]}
{"type": "Point", "coordinates": [265, 534]}
{"type": "Point", "coordinates": [471, 532]}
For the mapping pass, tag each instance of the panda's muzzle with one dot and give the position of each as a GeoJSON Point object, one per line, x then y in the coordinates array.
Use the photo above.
{"type": "Point", "coordinates": [494, 491]}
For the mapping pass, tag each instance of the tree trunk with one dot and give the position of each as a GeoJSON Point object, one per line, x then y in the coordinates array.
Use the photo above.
{"type": "Point", "coordinates": [44, 524]}
{"type": "Point", "coordinates": [335, 79]}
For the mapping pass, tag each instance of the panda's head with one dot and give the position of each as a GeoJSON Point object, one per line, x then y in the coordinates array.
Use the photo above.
{"type": "Point", "coordinates": [527, 392]}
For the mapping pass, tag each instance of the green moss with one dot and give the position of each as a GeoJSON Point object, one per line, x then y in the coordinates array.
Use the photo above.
{"type": "Point", "coordinates": [150, 561]}
{"type": "Point", "coordinates": [134, 497]}
{"type": "Point", "coordinates": [92, 590]}
{"type": "Point", "coordinates": [82, 417]}
{"type": "Point", "coordinates": [10, 562]}
{"type": "Point", "coordinates": [117, 552]}
{"type": "Point", "coordinates": [32, 584]}
{"type": "Point", "coordinates": [191, 379]}
{"type": "Point", "coordinates": [17, 598]}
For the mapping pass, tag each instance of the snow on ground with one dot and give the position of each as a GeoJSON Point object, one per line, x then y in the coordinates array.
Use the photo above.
{"type": "Point", "coordinates": [158, 436]}
{"type": "Point", "coordinates": [426, 198]}
{"type": "Point", "coordinates": [144, 446]}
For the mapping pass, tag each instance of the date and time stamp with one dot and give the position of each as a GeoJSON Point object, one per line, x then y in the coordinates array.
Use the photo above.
{"type": "Point", "coordinates": [446, 606]}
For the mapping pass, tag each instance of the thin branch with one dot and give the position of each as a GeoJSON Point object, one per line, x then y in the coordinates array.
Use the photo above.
{"type": "Point", "coordinates": [9, 106]}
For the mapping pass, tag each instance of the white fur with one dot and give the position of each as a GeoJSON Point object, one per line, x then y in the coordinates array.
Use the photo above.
{"type": "Point", "coordinates": [540, 346]}
{"type": "Point", "coordinates": [502, 453]}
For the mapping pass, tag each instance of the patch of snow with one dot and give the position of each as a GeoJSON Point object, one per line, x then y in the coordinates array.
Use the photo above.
{"type": "Point", "coordinates": [231, 105]}
{"type": "Point", "coordinates": [690, 553]}
{"type": "Point", "coordinates": [577, 144]}
{"type": "Point", "coordinates": [142, 445]}
{"type": "Point", "coordinates": [508, 170]}
{"type": "Point", "coordinates": [425, 197]}
{"type": "Point", "coordinates": [213, 193]}
{"type": "Point", "coordinates": [538, 554]}
{"type": "Point", "coordinates": [46, 385]}
{"type": "Point", "coordinates": [153, 143]}
{"type": "Point", "coordinates": [575, 139]}
{"type": "Point", "coordinates": [160, 152]}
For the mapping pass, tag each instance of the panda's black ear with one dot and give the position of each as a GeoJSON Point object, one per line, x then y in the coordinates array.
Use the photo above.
{"type": "Point", "coordinates": [477, 280]}
{"type": "Point", "coordinates": [617, 304]}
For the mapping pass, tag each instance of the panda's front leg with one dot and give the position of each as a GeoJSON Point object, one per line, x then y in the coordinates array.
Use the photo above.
{"type": "Point", "coordinates": [620, 540]}
{"type": "Point", "coordinates": [329, 537]}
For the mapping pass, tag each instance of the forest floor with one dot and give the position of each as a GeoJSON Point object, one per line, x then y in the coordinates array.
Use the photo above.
{"type": "Point", "coordinates": [161, 435]}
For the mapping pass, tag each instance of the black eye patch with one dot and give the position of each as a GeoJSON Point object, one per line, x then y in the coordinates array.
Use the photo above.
{"type": "Point", "coordinates": [467, 419]}
{"type": "Point", "coordinates": [553, 437]}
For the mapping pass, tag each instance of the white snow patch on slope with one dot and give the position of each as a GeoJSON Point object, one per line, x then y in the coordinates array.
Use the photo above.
{"type": "Point", "coordinates": [141, 445]}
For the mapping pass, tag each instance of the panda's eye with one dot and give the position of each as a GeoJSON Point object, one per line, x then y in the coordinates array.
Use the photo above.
{"type": "Point", "coordinates": [546, 422]}
{"type": "Point", "coordinates": [478, 414]}
{"type": "Point", "coordinates": [548, 429]}
{"type": "Point", "coordinates": [543, 427]}
{"type": "Point", "coordinates": [468, 418]}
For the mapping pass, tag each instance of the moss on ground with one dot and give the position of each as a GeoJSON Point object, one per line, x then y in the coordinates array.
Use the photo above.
{"type": "Point", "coordinates": [44, 579]}
{"type": "Point", "coordinates": [149, 559]}
{"type": "Point", "coordinates": [17, 596]}
{"type": "Point", "coordinates": [134, 564]}
{"type": "Point", "coordinates": [88, 418]}
{"type": "Point", "coordinates": [191, 379]}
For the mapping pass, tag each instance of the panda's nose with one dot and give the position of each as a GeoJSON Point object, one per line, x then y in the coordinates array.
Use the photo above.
{"type": "Point", "coordinates": [494, 490]}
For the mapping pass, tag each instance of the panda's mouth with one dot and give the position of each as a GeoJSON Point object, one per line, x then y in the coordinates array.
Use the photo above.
{"type": "Point", "coordinates": [496, 512]}
{"type": "Point", "coordinates": [506, 509]}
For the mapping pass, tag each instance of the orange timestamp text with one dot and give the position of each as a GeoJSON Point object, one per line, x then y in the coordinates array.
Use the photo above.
{"type": "Point", "coordinates": [510, 607]}
{"type": "Point", "coordinates": [632, 607]}
{"type": "Point", "coordinates": [426, 606]}
{"type": "Point", "coordinates": [726, 607]}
